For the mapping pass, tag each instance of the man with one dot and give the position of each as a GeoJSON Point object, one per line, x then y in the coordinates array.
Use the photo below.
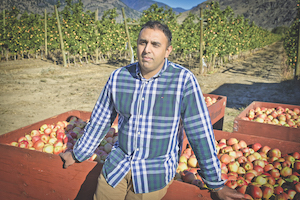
{"type": "Point", "coordinates": [151, 97]}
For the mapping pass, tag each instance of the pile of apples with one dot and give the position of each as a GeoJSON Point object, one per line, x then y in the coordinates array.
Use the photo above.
{"type": "Point", "coordinates": [259, 172]}
{"type": "Point", "coordinates": [210, 100]}
{"type": "Point", "coordinates": [62, 136]}
{"type": "Point", "coordinates": [277, 116]}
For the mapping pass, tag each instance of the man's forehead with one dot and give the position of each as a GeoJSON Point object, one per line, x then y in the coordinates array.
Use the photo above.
{"type": "Point", "coordinates": [154, 37]}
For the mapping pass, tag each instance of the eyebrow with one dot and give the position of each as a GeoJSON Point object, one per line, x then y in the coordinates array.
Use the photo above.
{"type": "Point", "coordinates": [146, 41]}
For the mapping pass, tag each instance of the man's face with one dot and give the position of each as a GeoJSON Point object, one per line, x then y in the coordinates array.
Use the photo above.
{"type": "Point", "coordinates": [152, 49]}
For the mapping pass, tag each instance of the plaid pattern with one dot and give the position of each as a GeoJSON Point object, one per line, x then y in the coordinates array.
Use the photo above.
{"type": "Point", "coordinates": [150, 112]}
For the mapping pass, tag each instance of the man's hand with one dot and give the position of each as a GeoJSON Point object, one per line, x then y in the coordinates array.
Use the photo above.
{"type": "Point", "coordinates": [229, 194]}
{"type": "Point", "coordinates": [67, 159]}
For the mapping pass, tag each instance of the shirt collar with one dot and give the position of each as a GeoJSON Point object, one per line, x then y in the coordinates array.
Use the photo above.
{"type": "Point", "coordinates": [139, 73]}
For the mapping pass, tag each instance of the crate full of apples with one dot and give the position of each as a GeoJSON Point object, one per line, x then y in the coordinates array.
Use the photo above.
{"type": "Point", "coordinates": [280, 121]}
{"type": "Point", "coordinates": [62, 136]}
{"type": "Point", "coordinates": [258, 167]}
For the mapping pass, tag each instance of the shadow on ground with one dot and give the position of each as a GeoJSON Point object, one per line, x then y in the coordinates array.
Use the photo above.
{"type": "Point", "coordinates": [240, 96]}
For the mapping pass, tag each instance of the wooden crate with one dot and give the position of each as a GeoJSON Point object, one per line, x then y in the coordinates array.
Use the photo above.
{"type": "Point", "coordinates": [217, 110]}
{"type": "Point", "coordinates": [29, 174]}
{"type": "Point", "coordinates": [266, 130]}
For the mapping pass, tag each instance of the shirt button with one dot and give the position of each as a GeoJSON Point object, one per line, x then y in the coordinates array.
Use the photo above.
{"type": "Point", "coordinates": [143, 98]}
{"type": "Point", "coordinates": [137, 149]}
{"type": "Point", "coordinates": [139, 132]}
{"type": "Point", "coordinates": [140, 116]}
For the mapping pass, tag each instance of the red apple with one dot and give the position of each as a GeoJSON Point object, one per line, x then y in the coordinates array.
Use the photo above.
{"type": "Point", "coordinates": [242, 189]}
{"type": "Point", "coordinates": [297, 187]}
{"type": "Point", "coordinates": [35, 133]}
{"type": "Point", "coordinates": [242, 144]}
{"type": "Point", "coordinates": [296, 155]}
{"type": "Point", "coordinates": [57, 150]}
{"type": "Point", "coordinates": [23, 144]}
{"type": "Point", "coordinates": [274, 173]}
{"type": "Point", "coordinates": [45, 138]}
{"type": "Point", "coordinates": [267, 192]}
{"type": "Point", "coordinates": [225, 158]}
{"type": "Point", "coordinates": [232, 141]}
{"type": "Point", "coordinates": [232, 184]}
{"type": "Point", "coordinates": [38, 145]}
{"type": "Point", "coordinates": [268, 167]}
{"type": "Point", "coordinates": [254, 191]}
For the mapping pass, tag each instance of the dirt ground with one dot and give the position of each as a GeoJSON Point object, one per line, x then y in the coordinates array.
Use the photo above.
{"type": "Point", "coordinates": [35, 89]}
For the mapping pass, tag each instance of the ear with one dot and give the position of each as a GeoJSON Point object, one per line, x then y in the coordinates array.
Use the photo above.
{"type": "Point", "coordinates": [168, 51]}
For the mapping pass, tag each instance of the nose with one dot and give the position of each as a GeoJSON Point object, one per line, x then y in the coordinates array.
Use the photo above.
{"type": "Point", "coordinates": [147, 48]}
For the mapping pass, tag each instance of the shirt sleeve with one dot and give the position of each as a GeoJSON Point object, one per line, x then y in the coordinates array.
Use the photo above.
{"type": "Point", "coordinates": [199, 131]}
{"type": "Point", "coordinates": [101, 120]}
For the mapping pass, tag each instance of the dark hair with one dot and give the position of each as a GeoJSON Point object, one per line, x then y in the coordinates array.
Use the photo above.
{"type": "Point", "coordinates": [163, 27]}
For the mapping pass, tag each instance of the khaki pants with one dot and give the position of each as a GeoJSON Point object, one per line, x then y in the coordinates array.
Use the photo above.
{"type": "Point", "coordinates": [124, 190]}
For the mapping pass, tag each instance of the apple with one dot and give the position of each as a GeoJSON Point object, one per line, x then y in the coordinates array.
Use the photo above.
{"type": "Point", "coordinates": [261, 179]}
{"type": "Point", "coordinates": [52, 140]}
{"type": "Point", "coordinates": [34, 133]}
{"type": "Point", "coordinates": [242, 189]}
{"type": "Point", "coordinates": [275, 153]}
{"type": "Point", "coordinates": [53, 134]}
{"type": "Point", "coordinates": [45, 138]}
{"type": "Point", "coordinates": [256, 146]}
{"type": "Point", "coordinates": [268, 167]}
{"type": "Point", "coordinates": [254, 191]}
{"type": "Point", "coordinates": [225, 158]}
{"type": "Point", "coordinates": [271, 180]}
{"type": "Point", "coordinates": [233, 166]}
{"type": "Point", "coordinates": [258, 168]}
{"type": "Point", "coordinates": [22, 138]}
{"type": "Point", "coordinates": [249, 176]}
{"type": "Point", "coordinates": [286, 171]}
{"type": "Point", "coordinates": [296, 155]}
{"type": "Point", "coordinates": [248, 165]}
{"type": "Point", "coordinates": [277, 165]}
{"type": "Point", "coordinates": [38, 145]}
{"type": "Point", "coordinates": [291, 193]}
{"type": "Point", "coordinates": [257, 155]}
{"type": "Point", "coordinates": [224, 176]}
{"type": "Point", "coordinates": [28, 137]}
{"type": "Point", "coordinates": [43, 127]}
{"type": "Point", "coordinates": [48, 148]}
{"type": "Point", "coordinates": [242, 144]}
{"type": "Point", "coordinates": [236, 146]}
{"type": "Point", "coordinates": [181, 167]}
{"type": "Point", "coordinates": [57, 150]}
{"type": "Point", "coordinates": [60, 134]}
{"type": "Point", "coordinates": [293, 177]}
{"type": "Point", "coordinates": [297, 187]}
{"type": "Point", "coordinates": [231, 183]}
{"type": "Point", "coordinates": [248, 197]}
{"type": "Point", "coordinates": [251, 158]}
{"type": "Point", "coordinates": [241, 170]}
{"type": "Point", "coordinates": [297, 165]}
{"type": "Point", "coordinates": [47, 131]}
{"type": "Point", "coordinates": [192, 161]}
{"type": "Point", "coordinates": [267, 192]}
{"type": "Point", "coordinates": [278, 190]}
{"type": "Point", "coordinates": [274, 173]}
{"type": "Point", "coordinates": [15, 144]}
{"type": "Point", "coordinates": [23, 144]}
{"type": "Point", "coordinates": [224, 168]}
{"type": "Point", "coordinates": [242, 159]}
{"type": "Point", "coordinates": [280, 181]}
{"type": "Point", "coordinates": [232, 141]}
{"type": "Point", "coordinates": [259, 162]}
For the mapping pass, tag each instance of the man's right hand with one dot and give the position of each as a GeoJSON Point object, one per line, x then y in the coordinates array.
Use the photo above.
{"type": "Point", "coordinates": [67, 159]}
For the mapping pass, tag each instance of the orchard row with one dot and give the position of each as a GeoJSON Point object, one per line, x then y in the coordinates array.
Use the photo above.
{"type": "Point", "coordinates": [224, 33]}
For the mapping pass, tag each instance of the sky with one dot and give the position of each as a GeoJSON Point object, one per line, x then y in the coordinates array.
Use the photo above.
{"type": "Point", "coordinates": [185, 4]}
